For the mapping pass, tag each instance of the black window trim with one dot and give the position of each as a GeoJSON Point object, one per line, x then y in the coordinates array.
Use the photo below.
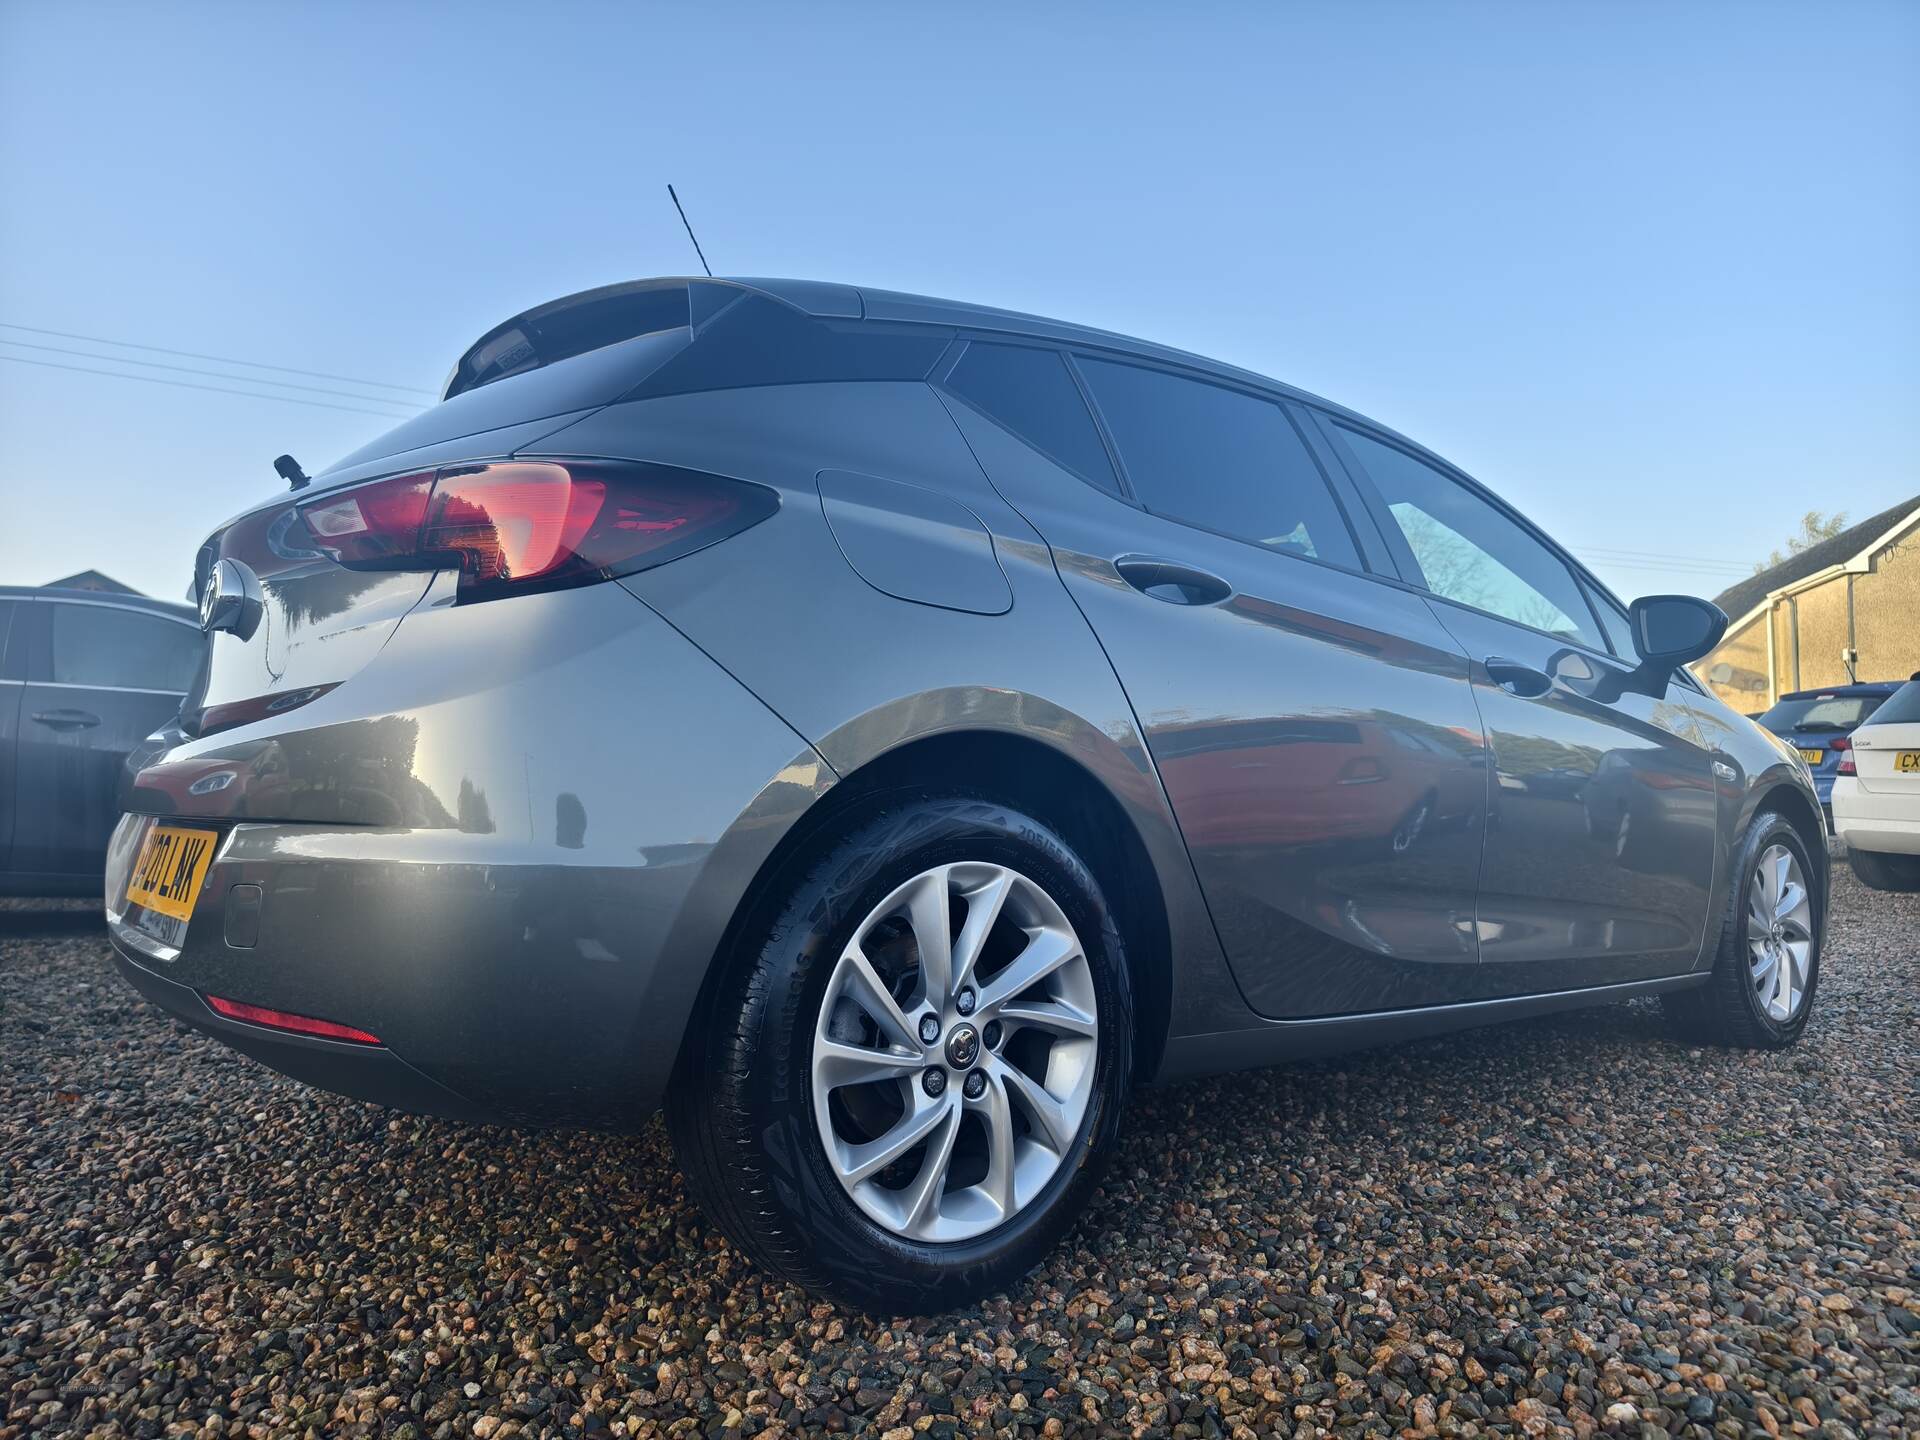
{"type": "Point", "coordinates": [1179, 372]}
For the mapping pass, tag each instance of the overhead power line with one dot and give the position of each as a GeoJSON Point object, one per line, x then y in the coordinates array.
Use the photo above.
{"type": "Point", "coordinates": [195, 385]}
{"type": "Point", "coordinates": [213, 374]}
{"type": "Point", "coordinates": [220, 359]}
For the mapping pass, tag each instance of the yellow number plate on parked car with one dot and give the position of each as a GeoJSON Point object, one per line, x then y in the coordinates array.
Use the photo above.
{"type": "Point", "coordinates": [1906, 762]}
{"type": "Point", "coordinates": [172, 863]}
{"type": "Point", "coordinates": [1812, 757]}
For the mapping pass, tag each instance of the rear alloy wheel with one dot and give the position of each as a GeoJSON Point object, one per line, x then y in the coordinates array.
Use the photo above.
{"type": "Point", "coordinates": [1767, 965]}
{"type": "Point", "coordinates": [940, 1120]}
{"type": "Point", "coordinates": [902, 1093]}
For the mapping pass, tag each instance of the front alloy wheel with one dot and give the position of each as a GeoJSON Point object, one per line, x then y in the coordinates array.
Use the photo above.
{"type": "Point", "coordinates": [1779, 933]}
{"type": "Point", "coordinates": [1767, 964]}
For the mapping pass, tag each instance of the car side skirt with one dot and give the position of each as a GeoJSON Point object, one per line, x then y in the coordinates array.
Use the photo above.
{"type": "Point", "coordinates": [1280, 1041]}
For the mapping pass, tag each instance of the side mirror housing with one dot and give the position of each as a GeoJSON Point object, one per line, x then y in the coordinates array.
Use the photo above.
{"type": "Point", "coordinates": [1670, 630]}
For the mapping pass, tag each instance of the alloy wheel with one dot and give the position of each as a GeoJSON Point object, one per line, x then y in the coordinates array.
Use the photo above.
{"type": "Point", "coordinates": [953, 1057]}
{"type": "Point", "coordinates": [1779, 933]}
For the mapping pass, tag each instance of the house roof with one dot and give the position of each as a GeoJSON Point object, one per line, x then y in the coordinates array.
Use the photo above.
{"type": "Point", "coordinates": [90, 580]}
{"type": "Point", "coordinates": [1737, 600]}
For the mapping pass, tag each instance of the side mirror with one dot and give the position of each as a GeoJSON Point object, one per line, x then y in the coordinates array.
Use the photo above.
{"type": "Point", "coordinates": [1670, 630]}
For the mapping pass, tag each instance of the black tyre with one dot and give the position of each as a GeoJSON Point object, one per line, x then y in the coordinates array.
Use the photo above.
{"type": "Point", "coordinates": [1767, 967]}
{"type": "Point", "coordinates": [902, 1126]}
{"type": "Point", "coordinates": [1885, 872]}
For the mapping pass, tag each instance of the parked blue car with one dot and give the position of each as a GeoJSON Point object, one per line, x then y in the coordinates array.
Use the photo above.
{"type": "Point", "coordinates": [1818, 722]}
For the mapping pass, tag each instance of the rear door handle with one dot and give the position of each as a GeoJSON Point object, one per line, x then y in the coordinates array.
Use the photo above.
{"type": "Point", "coordinates": [1171, 581]}
{"type": "Point", "coordinates": [1518, 679]}
{"type": "Point", "coordinates": [66, 719]}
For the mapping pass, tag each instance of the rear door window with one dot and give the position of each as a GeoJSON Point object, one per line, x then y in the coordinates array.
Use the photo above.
{"type": "Point", "coordinates": [105, 646]}
{"type": "Point", "coordinates": [1030, 392]}
{"type": "Point", "coordinates": [1220, 459]}
{"type": "Point", "coordinates": [1471, 551]}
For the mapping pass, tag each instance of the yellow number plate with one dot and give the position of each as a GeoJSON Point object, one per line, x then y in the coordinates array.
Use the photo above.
{"type": "Point", "coordinates": [1812, 757]}
{"type": "Point", "coordinates": [1907, 762]}
{"type": "Point", "coordinates": [171, 866]}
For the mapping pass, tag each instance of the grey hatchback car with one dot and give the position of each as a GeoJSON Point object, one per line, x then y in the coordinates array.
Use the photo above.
{"type": "Point", "coordinates": [884, 730]}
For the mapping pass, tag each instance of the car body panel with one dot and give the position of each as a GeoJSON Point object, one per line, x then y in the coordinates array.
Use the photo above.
{"type": "Point", "coordinates": [1599, 854]}
{"type": "Point", "coordinates": [509, 857]}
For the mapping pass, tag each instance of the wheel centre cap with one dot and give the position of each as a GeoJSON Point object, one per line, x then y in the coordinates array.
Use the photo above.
{"type": "Point", "coordinates": [963, 1046]}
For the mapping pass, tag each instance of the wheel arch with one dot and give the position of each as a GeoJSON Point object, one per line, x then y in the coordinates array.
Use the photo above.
{"type": "Point", "coordinates": [1018, 770]}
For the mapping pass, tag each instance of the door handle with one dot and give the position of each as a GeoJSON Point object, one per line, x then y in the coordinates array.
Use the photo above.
{"type": "Point", "coordinates": [1171, 581]}
{"type": "Point", "coordinates": [66, 719]}
{"type": "Point", "coordinates": [1518, 679]}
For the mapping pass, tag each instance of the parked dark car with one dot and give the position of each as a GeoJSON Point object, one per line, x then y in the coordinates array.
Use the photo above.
{"type": "Point", "coordinates": [886, 729]}
{"type": "Point", "coordinates": [1820, 723]}
{"type": "Point", "coordinates": [84, 679]}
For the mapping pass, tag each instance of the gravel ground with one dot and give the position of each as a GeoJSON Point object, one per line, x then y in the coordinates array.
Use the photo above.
{"type": "Point", "coordinates": [1566, 1226]}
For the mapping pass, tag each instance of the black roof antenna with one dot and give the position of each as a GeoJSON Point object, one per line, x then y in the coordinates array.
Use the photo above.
{"type": "Point", "coordinates": [690, 235]}
{"type": "Point", "coordinates": [290, 471]}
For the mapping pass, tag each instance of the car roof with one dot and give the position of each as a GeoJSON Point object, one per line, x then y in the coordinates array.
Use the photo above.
{"type": "Point", "coordinates": [827, 300]}
{"type": "Point", "coordinates": [100, 597]}
{"type": "Point", "coordinates": [1858, 687]}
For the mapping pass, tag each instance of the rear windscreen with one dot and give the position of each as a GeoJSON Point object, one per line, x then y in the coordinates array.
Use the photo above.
{"type": "Point", "coordinates": [1838, 713]}
{"type": "Point", "coordinates": [1902, 707]}
{"type": "Point", "coordinates": [560, 331]}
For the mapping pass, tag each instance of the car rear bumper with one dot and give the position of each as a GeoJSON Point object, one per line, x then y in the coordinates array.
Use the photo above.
{"type": "Point", "coordinates": [364, 1072]}
{"type": "Point", "coordinates": [1873, 821]}
{"type": "Point", "coordinates": [580, 811]}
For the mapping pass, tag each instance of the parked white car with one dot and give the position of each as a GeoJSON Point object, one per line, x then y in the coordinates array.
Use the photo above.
{"type": "Point", "coordinates": [1876, 796]}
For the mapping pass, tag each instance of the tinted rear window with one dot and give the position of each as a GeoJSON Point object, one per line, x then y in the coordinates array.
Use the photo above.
{"type": "Point", "coordinates": [1221, 459]}
{"type": "Point", "coordinates": [1030, 393]}
{"type": "Point", "coordinates": [1902, 707]}
{"type": "Point", "coordinates": [1838, 713]}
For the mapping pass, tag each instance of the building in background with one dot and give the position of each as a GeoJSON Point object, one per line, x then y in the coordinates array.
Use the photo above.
{"type": "Point", "coordinates": [1845, 609]}
{"type": "Point", "coordinates": [91, 580]}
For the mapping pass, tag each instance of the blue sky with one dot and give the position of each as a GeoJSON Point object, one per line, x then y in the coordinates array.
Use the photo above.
{"type": "Point", "coordinates": [1648, 270]}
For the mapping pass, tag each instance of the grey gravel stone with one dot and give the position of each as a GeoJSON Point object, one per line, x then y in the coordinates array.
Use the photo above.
{"type": "Point", "coordinates": [1564, 1227]}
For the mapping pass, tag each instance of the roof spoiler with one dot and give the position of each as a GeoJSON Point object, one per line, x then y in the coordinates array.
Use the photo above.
{"type": "Point", "coordinates": [590, 319]}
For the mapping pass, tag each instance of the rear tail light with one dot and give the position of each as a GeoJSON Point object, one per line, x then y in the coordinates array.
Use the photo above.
{"type": "Point", "coordinates": [521, 525]}
{"type": "Point", "coordinates": [285, 1020]}
{"type": "Point", "coordinates": [1843, 747]}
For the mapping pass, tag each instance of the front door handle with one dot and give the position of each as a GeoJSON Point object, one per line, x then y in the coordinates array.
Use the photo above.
{"type": "Point", "coordinates": [1518, 679]}
{"type": "Point", "coordinates": [1171, 581]}
{"type": "Point", "coordinates": [66, 719]}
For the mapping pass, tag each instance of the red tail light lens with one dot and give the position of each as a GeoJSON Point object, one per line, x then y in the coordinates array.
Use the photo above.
{"type": "Point", "coordinates": [1843, 747]}
{"type": "Point", "coordinates": [533, 524]}
{"type": "Point", "coordinates": [284, 1020]}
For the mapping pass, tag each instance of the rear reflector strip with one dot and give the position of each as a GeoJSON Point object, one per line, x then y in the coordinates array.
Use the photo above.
{"type": "Point", "coordinates": [294, 1024]}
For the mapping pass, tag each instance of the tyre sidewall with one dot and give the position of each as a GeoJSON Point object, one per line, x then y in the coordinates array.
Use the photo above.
{"type": "Point", "coordinates": [862, 1260]}
{"type": "Point", "coordinates": [1769, 830]}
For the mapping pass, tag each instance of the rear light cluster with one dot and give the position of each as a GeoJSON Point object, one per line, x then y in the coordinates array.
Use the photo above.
{"type": "Point", "coordinates": [519, 525]}
{"type": "Point", "coordinates": [1843, 747]}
